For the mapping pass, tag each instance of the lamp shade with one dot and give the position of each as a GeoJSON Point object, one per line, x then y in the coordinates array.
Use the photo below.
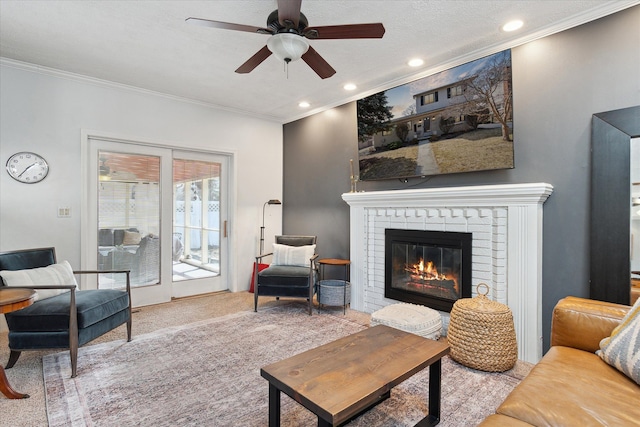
{"type": "Point", "coordinates": [288, 47]}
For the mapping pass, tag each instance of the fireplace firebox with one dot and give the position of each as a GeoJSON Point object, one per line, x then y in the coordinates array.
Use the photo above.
{"type": "Point", "coordinates": [431, 268]}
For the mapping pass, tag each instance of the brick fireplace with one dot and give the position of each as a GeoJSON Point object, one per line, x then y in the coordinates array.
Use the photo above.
{"type": "Point", "coordinates": [506, 226]}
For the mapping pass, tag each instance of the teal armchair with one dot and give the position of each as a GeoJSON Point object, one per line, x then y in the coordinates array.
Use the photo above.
{"type": "Point", "coordinates": [65, 321]}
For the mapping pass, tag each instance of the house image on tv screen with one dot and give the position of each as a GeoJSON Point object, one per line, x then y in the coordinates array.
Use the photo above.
{"type": "Point", "coordinates": [458, 120]}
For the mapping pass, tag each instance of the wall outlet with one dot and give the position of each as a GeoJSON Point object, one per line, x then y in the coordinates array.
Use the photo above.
{"type": "Point", "coordinates": [64, 212]}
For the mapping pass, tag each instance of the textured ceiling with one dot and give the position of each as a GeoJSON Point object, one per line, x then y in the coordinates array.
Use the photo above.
{"type": "Point", "coordinates": [148, 45]}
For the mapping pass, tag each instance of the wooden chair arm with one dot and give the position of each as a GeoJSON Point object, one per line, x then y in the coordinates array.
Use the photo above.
{"type": "Point", "coordinates": [73, 323]}
{"type": "Point", "coordinates": [48, 287]}
{"type": "Point", "coordinates": [99, 271]}
{"type": "Point", "coordinates": [313, 271]}
{"type": "Point", "coordinates": [127, 272]}
{"type": "Point", "coordinates": [73, 320]}
{"type": "Point", "coordinates": [259, 257]}
{"type": "Point", "coordinates": [313, 264]}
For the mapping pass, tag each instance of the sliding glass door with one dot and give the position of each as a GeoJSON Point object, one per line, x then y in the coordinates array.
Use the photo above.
{"type": "Point", "coordinates": [199, 223]}
{"type": "Point", "coordinates": [129, 204]}
{"type": "Point", "coordinates": [159, 213]}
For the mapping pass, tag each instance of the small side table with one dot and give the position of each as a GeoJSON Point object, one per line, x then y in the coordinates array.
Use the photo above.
{"type": "Point", "coordinates": [330, 285]}
{"type": "Point", "coordinates": [12, 299]}
{"type": "Point", "coordinates": [335, 261]}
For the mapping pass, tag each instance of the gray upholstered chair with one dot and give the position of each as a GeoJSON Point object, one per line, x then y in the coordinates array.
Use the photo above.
{"type": "Point", "coordinates": [144, 262]}
{"type": "Point", "coordinates": [292, 273]}
{"type": "Point", "coordinates": [68, 320]}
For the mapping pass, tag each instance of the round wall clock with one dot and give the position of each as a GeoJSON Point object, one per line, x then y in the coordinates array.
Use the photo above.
{"type": "Point", "coordinates": [28, 168]}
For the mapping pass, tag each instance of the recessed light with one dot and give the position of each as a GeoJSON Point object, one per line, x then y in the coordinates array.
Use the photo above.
{"type": "Point", "coordinates": [350, 86]}
{"type": "Point", "coordinates": [416, 62]}
{"type": "Point", "coordinates": [304, 104]}
{"type": "Point", "coordinates": [512, 25]}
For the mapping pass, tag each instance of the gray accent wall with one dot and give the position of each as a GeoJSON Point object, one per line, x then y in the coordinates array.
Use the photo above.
{"type": "Point", "coordinates": [317, 154]}
{"type": "Point", "coordinates": [559, 81]}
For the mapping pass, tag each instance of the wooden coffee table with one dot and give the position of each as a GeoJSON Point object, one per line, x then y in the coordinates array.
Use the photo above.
{"type": "Point", "coordinates": [340, 380]}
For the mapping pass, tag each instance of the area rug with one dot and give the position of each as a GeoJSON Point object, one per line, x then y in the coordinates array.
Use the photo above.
{"type": "Point", "coordinates": [208, 373]}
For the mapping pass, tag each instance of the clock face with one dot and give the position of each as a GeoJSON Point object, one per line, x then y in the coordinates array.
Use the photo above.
{"type": "Point", "coordinates": [27, 167]}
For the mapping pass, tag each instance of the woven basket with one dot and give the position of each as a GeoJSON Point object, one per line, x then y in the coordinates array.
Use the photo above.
{"type": "Point", "coordinates": [481, 334]}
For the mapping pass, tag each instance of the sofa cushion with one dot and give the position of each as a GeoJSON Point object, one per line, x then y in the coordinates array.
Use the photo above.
{"type": "Point", "coordinates": [593, 319]}
{"type": "Point", "coordinates": [105, 237]}
{"type": "Point", "coordinates": [571, 387]}
{"type": "Point", "coordinates": [19, 340]}
{"type": "Point", "coordinates": [622, 349]}
{"type": "Point", "coordinates": [51, 275]}
{"type": "Point", "coordinates": [292, 240]}
{"type": "Point", "coordinates": [52, 314]}
{"type": "Point", "coordinates": [497, 420]}
{"type": "Point", "coordinates": [293, 255]}
{"type": "Point", "coordinates": [31, 258]}
{"type": "Point", "coordinates": [284, 276]}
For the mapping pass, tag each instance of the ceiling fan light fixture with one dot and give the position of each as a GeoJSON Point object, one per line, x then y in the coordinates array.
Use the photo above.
{"type": "Point", "coordinates": [288, 46]}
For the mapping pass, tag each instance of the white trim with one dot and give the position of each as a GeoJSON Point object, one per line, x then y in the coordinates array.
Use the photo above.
{"type": "Point", "coordinates": [88, 241]}
{"type": "Point", "coordinates": [607, 8]}
{"type": "Point", "coordinates": [41, 69]}
{"type": "Point", "coordinates": [453, 196]}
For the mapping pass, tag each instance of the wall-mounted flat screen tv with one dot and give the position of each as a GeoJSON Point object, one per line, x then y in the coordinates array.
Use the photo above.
{"type": "Point", "coordinates": [458, 120]}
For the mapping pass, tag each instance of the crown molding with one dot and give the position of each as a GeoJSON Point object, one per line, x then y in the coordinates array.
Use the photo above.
{"type": "Point", "coordinates": [607, 8]}
{"type": "Point", "coordinates": [34, 68]}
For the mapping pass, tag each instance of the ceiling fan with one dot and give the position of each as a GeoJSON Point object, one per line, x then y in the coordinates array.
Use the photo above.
{"type": "Point", "coordinates": [289, 32]}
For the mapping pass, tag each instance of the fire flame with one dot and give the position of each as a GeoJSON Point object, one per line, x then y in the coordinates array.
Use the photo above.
{"type": "Point", "coordinates": [428, 272]}
{"type": "Point", "coordinates": [425, 276]}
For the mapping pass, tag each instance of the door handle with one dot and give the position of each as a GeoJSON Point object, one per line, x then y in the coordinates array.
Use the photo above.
{"type": "Point", "coordinates": [224, 232]}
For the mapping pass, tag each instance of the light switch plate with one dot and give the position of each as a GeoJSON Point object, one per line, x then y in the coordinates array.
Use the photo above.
{"type": "Point", "coordinates": [64, 212]}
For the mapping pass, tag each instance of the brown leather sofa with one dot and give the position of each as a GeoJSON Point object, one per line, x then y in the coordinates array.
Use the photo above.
{"type": "Point", "coordinates": [571, 385]}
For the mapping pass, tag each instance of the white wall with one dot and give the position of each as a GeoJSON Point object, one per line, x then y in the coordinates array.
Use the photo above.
{"type": "Point", "coordinates": [46, 112]}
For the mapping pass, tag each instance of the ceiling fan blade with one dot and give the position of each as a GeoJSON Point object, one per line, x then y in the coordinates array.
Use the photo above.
{"type": "Point", "coordinates": [228, 26]}
{"type": "Point", "coordinates": [318, 64]}
{"type": "Point", "coordinates": [353, 31]}
{"type": "Point", "coordinates": [289, 10]}
{"type": "Point", "coordinates": [254, 61]}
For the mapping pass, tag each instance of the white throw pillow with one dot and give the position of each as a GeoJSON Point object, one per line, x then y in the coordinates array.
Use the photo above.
{"type": "Point", "coordinates": [622, 349]}
{"type": "Point", "coordinates": [54, 274]}
{"type": "Point", "coordinates": [293, 255]}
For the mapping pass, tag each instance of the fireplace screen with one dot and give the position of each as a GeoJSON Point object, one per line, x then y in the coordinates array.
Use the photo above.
{"type": "Point", "coordinates": [427, 267]}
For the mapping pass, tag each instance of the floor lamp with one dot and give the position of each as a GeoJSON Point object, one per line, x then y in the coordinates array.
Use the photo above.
{"type": "Point", "coordinates": [270, 202]}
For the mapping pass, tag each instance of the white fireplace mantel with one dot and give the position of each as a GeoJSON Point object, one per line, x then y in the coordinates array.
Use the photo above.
{"type": "Point", "coordinates": [506, 223]}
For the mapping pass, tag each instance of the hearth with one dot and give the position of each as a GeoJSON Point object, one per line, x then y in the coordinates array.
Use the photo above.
{"type": "Point", "coordinates": [431, 268]}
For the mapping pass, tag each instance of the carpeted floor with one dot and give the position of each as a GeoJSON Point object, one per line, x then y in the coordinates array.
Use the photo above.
{"type": "Point", "coordinates": [26, 376]}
